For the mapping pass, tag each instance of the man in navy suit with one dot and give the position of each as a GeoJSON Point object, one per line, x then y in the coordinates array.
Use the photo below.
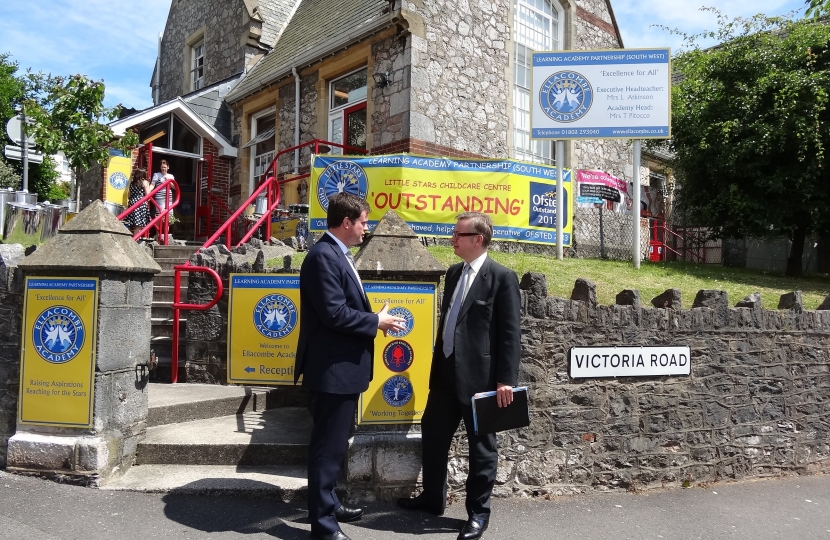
{"type": "Point", "coordinates": [334, 355]}
{"type": "Point", "coordinates": [477, 350]}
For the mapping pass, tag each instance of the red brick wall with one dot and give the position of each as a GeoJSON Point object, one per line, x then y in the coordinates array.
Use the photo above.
{"type": "Point", "coordinates": [415, 146]}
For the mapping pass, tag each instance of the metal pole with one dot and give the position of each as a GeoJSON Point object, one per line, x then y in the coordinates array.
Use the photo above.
{"type": "Point", "coordinates": [25, 144]}
{"type": "Point", "coordinates": [636, 209]}
{"type": "Point", "coordinates": [601, 232]}
{"type": "Point", "coordinates": [560, 197]}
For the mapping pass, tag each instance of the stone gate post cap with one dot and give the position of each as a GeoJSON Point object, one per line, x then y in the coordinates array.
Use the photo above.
{"type": "Point", "coordinates": [93, 241]}
{"type": "Point", "coordinates": [394, 249]}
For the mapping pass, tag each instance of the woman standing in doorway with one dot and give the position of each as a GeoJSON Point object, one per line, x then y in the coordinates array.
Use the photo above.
{"type": "Point", "coordinates": [158, 179]}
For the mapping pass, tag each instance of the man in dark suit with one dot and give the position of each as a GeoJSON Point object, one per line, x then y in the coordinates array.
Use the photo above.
{"type": "Point", "coordinates": [477, 350]}
{"type": "Point", "coordinates": [334, 355]}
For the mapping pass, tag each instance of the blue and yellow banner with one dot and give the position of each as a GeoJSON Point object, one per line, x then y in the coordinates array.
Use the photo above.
{"type": "Point", "coordinates": [428, 192]}
{"type": "Point", "coordinates": [263, 328]}
{"type": "Point", "coordinates": [57, 364]}
{"type": "Point", "coordinates": [400, 385]}
{"type": "Point", "coordinates": [117, 186]}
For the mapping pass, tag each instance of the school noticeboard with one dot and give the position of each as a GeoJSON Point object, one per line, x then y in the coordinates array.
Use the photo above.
{"type": "Point", "coordinates": [263, 328]}
{"type": "Point", "coordinates": [429, 192]}
{"type": "Point", "coordinates": [57, 363]}
{"type": "Point", "coordinates": [400, 384]}
{"type": "Point", "coordinates": [603, 94]}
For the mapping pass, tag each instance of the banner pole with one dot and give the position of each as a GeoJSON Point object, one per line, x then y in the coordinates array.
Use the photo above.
{"type": "Point", "coordinates": [635, 211]}
{"type": "Point", "coordinates": [560, 197]}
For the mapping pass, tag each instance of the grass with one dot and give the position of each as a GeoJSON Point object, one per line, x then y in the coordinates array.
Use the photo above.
{"type": "Point", "coordinates": [651, 279]}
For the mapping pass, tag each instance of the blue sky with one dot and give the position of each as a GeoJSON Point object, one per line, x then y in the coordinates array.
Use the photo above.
{"type": "Point", "coordinates": [116, 40]}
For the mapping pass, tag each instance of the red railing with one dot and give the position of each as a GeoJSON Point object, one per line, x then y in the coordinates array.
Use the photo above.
{"type": "Point", "coordinates": [162, 220]}
{"type": "Point", "coordinates": [271, 186]}
{"type": "Point", "coordinates": [177, 305]}
{"type": "Point", "coordinates": [660, 232]}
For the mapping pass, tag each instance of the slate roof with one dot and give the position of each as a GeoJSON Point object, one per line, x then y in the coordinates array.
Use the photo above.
{"type": "Point", "coordinates": [209, 103]}
{"type": "Point", "coordinates": [318, 27]}
{"type": "Point", "coordinates": [275, 15]}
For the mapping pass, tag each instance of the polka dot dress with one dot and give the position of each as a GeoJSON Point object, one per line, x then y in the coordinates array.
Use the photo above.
{"type": "Point", "coordinates": [141, 215]}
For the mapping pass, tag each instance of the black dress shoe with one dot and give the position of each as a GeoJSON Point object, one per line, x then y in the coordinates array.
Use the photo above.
{"type": "Point", "coordinates": [339, 535]}
{"type": "Point", "coordinates": [474, 528]}
{"type": "Point", "coordinates": [344, 514]}
{"type": "Point", "coordinates": [418, 503]}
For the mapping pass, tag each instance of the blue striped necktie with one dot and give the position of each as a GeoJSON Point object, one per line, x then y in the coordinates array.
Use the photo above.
{"type": "Point", "coordinates": [452, 316]}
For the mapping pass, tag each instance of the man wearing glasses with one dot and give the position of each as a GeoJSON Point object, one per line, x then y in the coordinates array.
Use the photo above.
{"type": "Point", "coordinates": [477, 350]}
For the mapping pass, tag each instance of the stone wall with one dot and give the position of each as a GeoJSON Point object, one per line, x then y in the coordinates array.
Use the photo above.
{"type": "Point", "coordinates": [390, 119]}
{"type": "Point", "coordinates": [459, 77]}
{"type": "Point", "coordinates": [755, 404]}
{"type": "Point", "coordinates": [11, 312]}
{"type": "Point", "coordinates": [225, 53]}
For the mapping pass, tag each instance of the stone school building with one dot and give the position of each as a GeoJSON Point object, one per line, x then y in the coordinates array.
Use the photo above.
{"type": "Point", "coordinates": [425, 77]}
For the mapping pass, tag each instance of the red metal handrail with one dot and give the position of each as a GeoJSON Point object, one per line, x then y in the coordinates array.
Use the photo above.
{"type": "Point", "coordinates": [660, 224]}
{"type": "Point", "coordinates": [272, 185]}
{"type": "Point", "coordinates": [162, 216]}
{"type": "Point", "coordinates": [177, 305]}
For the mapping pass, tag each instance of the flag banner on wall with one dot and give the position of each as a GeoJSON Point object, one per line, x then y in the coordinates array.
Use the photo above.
{"type": "Point", "coordinates": [429, 192]}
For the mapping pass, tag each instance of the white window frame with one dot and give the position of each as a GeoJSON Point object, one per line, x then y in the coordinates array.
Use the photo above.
{"type": "Point", "coordinates": [197, 65]}
{"type": "Point", "coordinates": [521, 93]}
{"type": "Point", "coordinates": [336, 113]}
{"type": "Point", "coordinates": [253, 157]}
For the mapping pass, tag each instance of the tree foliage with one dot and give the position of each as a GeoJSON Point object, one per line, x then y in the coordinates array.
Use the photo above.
{"type": "Point", "coordinates": [11, 88]}
{"type": "Point", "coordinates": [9, 177]}
{"type": "Point", "coordinates": [69, 116]}
{"type": "Point", "coordinates": [751, 129]}
{"type": "Point", "coordinates": [817, 8]}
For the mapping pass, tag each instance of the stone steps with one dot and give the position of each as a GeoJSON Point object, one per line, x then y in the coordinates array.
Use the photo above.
{"type": "Point", "coordinates": [222, 440]}
{"type": "Point", "coordinates": [282, 483]}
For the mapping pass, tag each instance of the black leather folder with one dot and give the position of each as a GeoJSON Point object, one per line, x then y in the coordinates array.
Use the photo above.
{"type": "Point", "coordinates": [488, 417]}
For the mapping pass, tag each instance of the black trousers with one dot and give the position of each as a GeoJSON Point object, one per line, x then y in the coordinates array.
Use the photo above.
{"type": "Point", "coordinates": [438, 425]}
{"type": "Point", "coordinates": [333, 422]}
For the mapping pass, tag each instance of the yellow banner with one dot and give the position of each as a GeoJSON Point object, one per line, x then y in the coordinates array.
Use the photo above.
{"type": "Point", "coordinates": [57, 364]}
{"type": "Point", "coordinates": [284, 229]}
{"type": "Point", "coordinates": [117, 187]}
{"type": "Point", "coordinates": [398, 391]}
{"type": "Point", "coordinates": [428, 192]}
{"type": "Point", "coordinates": [263, 328]}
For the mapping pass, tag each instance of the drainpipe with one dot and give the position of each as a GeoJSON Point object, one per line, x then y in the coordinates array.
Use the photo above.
{"type": "Point", "coordinates": [296, 119]}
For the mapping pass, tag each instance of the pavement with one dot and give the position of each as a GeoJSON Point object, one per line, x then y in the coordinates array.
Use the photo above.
{"type": "Point", "coordinates": [782, 508]}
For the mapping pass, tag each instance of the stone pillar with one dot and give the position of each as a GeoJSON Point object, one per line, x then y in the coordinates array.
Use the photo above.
{"type": "Point", "coordinates": [96, 245]}
{"type": "Point", "coordinates": [384, 461]}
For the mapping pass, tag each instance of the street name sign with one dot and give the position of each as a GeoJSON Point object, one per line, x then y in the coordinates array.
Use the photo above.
{"type": "Point", "coordinates": [602, 94]}
{"type": "Point", "coordinates": [16, 153]}
{"type": "Point", "coordinates": [593, 362]}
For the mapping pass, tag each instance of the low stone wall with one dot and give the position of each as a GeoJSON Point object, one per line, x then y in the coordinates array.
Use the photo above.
{"type": "Point", "coordinates": [756, 403]}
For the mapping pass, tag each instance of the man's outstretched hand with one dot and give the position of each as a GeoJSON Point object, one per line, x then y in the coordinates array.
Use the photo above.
{"type": "Point", "coordinates": [388, 322]}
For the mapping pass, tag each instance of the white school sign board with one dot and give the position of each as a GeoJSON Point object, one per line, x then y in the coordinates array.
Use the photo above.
{"type": "Point", "coordinates": [617, 93]}
{"type": "Point", "coordinates": [593, 362]}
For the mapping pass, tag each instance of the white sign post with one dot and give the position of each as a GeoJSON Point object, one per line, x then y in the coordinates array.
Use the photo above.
{"type": "Point", "coordinates": [604, 94]}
